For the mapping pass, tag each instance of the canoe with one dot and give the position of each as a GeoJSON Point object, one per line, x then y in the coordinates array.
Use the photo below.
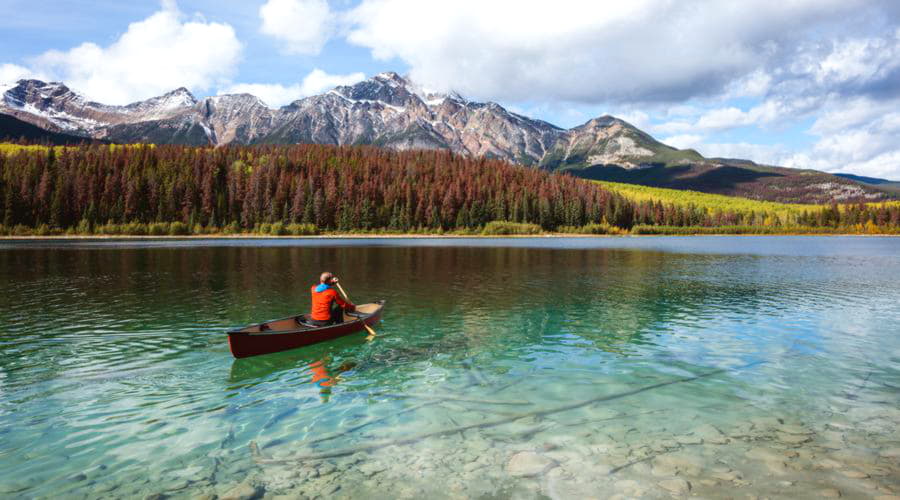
{"type": "Point", "coordinates": [290, 333]}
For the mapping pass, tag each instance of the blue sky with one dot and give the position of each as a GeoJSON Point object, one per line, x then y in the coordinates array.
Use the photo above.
{"type": "Point", "coordinates": [805, 83]}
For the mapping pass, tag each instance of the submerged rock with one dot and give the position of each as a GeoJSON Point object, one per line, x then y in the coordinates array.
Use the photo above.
{"type": "Point", "coordinates": [243, 491]}
{"type": "Point", "coordinates": [830, 493]}
{"type": "Point", "coordinates": [372, 468]}
{"type": "Point", "coordinates": [676, 486]}
{"type": "Point", "coordinates": [710, 434]}
{"type": "Point", "coordinates": [792, 438]}
{"type": "Point", "coordinates": [529, 464]}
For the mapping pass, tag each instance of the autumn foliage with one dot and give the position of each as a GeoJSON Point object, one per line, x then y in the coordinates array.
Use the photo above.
{"type": "Point", "coordinates": [315, 188]}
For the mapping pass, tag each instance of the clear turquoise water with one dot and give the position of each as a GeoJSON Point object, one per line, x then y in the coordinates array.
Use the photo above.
{"type": "Point", "coordinates": [116, 379]}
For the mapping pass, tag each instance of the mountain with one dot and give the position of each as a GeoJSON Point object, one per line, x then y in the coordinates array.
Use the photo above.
{"type": "Point", "coordinates": [13, 129]}
{"type": "Point", "coordinates": [390, 111]}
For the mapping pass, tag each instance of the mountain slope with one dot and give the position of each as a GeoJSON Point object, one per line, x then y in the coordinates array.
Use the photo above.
{"type": "Point", "coordinates": [392, 112]}
{"type": "Point", "coordinates": [13, 129]}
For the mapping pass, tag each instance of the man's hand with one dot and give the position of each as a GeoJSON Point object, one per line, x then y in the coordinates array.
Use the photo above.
{"type": "Point", "coordinates": [334, 280]}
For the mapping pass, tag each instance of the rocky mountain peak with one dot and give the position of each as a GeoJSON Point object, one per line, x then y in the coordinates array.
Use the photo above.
{"type": "Point", "coordinates": [388, 88]}
{"type": "Point", "coordinates": [38, 94]}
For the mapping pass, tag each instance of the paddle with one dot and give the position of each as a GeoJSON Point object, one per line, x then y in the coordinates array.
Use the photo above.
{"type": "Point", "coordinates": [369, 328]}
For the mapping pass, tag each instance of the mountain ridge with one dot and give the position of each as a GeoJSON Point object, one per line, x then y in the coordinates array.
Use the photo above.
{"type": "Point", "coordinates": [390, 111]}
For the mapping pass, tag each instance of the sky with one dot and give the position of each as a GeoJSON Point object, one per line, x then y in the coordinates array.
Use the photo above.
{"type": "Point", "coordinates": [800, 83]}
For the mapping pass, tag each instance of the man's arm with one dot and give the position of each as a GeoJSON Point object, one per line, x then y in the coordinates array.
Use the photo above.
{"type": "Point", "coordinates": [341, 302]}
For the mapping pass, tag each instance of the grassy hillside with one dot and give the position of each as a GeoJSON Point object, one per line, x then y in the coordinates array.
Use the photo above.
{"type": "Point", "coordinates": [745, 179]}
{"type": "Point", "coordinates": [712, 202]}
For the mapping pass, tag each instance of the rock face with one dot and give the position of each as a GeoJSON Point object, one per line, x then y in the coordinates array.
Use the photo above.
{"type": "Point", "coordinates": [385, 110]}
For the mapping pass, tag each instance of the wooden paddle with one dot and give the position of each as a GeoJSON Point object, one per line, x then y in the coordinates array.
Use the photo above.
{"type": "Point", "coordinates": [369, 328]}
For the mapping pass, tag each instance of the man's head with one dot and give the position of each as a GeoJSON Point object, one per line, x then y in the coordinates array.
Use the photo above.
{"type": "Point", "coordinates": [326, 278]}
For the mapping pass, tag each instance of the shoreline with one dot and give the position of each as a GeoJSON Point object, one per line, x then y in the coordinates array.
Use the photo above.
{"type": "Point", "coordinates": [392, 236]}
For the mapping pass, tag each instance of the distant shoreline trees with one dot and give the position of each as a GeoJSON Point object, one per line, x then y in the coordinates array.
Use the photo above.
{"type": "Point", "coordinates": [307, 189]}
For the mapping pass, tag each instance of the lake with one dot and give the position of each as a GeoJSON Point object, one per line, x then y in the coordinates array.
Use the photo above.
{"type": "Point", "coordinates": [503, 368]}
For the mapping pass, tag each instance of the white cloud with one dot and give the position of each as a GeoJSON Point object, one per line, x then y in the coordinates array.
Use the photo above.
{"type": "Point", "coordinates": [11, 73]}
{"type": "Point", "coordinates": [316, 82]}
{"type": "Point", "coordinates": [591, 52]}
{"type": "Point", "coordinates": [153, 56]}
{"type": "Point", "coordinates": [303, 26]}
{"type": "Point", "coordinates": [857, 136]}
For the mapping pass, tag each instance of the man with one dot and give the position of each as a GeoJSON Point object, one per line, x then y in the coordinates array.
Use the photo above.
{"type": "Point", "coordinates": [327, 305]}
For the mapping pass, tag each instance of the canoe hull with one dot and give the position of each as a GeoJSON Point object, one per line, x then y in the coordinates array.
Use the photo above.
{"type": "Point", "coordinates": [244, 344]}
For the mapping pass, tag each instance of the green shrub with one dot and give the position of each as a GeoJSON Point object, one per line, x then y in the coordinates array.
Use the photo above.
{"type": "Point", "coordinates": [109, 229]}
{"type": "Point", "coordinates": [277, 229]}
{"type": "Point", "coordinates": [157, 229]}
{"type": "Point", "coordinates": [179, 229]}
{"type": "Point", "coordinates": [84, 227]}
{"type": "Point", "coordinates": [500, 227]}
{"type": "Point", "coordinates": [301, 229]}
{"type": "Point", "coordinates": [20, 230]}
{"type": "Point", "coordinates": [134, 229]}
{"type": "Point", "coordinates": [231, 228]}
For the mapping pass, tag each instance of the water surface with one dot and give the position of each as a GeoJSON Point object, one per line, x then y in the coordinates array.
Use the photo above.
{"type": "Point", "coordinates": [528, 367]}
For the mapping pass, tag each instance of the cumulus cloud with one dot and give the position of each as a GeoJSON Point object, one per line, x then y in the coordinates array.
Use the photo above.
{"type": "Point", "coordinates": [590, 52]}
{"type": "Point", "coordinates": [858, 136]}
{"type": "Point", "coordinates": [303, 26]}
{"type": "Point", "coordinates": [316, 82]}
{"type": "Point", "coordinates": [160, 53]}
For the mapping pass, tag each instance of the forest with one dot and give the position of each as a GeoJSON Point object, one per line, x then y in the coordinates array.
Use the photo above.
{"type": "Point", "coordinates": [319, 189]}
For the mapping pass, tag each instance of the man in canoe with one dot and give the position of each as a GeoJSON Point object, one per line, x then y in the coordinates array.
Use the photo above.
{"type": "Point", "coordinates": [327, 304]}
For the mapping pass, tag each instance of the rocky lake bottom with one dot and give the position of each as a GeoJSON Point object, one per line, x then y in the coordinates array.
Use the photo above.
{"type": "Point", "coordinates": [651, 368]}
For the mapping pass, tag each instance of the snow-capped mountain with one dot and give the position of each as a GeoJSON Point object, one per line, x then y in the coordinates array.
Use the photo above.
{"type": "Point", "coordinates": [386, 110]}
{"type": "Point", "coordinates": [389, 111]}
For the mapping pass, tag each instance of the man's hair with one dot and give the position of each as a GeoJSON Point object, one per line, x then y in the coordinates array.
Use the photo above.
{"type": "Point", "coordinates": [325, 277]}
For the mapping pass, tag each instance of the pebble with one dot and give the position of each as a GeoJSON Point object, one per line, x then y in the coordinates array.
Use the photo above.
{"type": "Point", "coordinates": [794, 429]}
{"type": "Point", "coordinates": [887, 497]}
{"type": "Point", "coordinates": [828, 463]}
{"type": "Point", "coordinates": [371, 468]}
{"type": "Point", "coordinates": [12, 487]}
{"type": "Point", "coordinates": [528, 464]}
{"type": "Point", "coordinates": [179, 485]}
{"type": "Point", "coordinates": [472, 466]}
{"type": "Point", "coordinates": [792, 438]}
{"type": "Point", "coordinates": [776, 466]}
{"type": "Point", "coordinates": [677, 486]}
{"type": "Point", "coordinates": [763, 454]}
{"type": "Point", "coordinates": [326, 469]}
{"type": "Point", "coordinates": [689, 439]}
{"type": "Point", "coordinates": [890, 453]}
{"type": "Point", "coordinates": [855, 474]}
{"type": "Point", "coordinates": [727, 476]}
{"type": "Point", "coordinates": [243, 491]}
{"type": "Point", "coordinates": [830, 493]}
{"type": "Point", "coordinates": [710, 434]}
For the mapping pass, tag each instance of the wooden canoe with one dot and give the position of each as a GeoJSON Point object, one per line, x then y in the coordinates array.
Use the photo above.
{"type": "Point", "coordinates": [288, 333]}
